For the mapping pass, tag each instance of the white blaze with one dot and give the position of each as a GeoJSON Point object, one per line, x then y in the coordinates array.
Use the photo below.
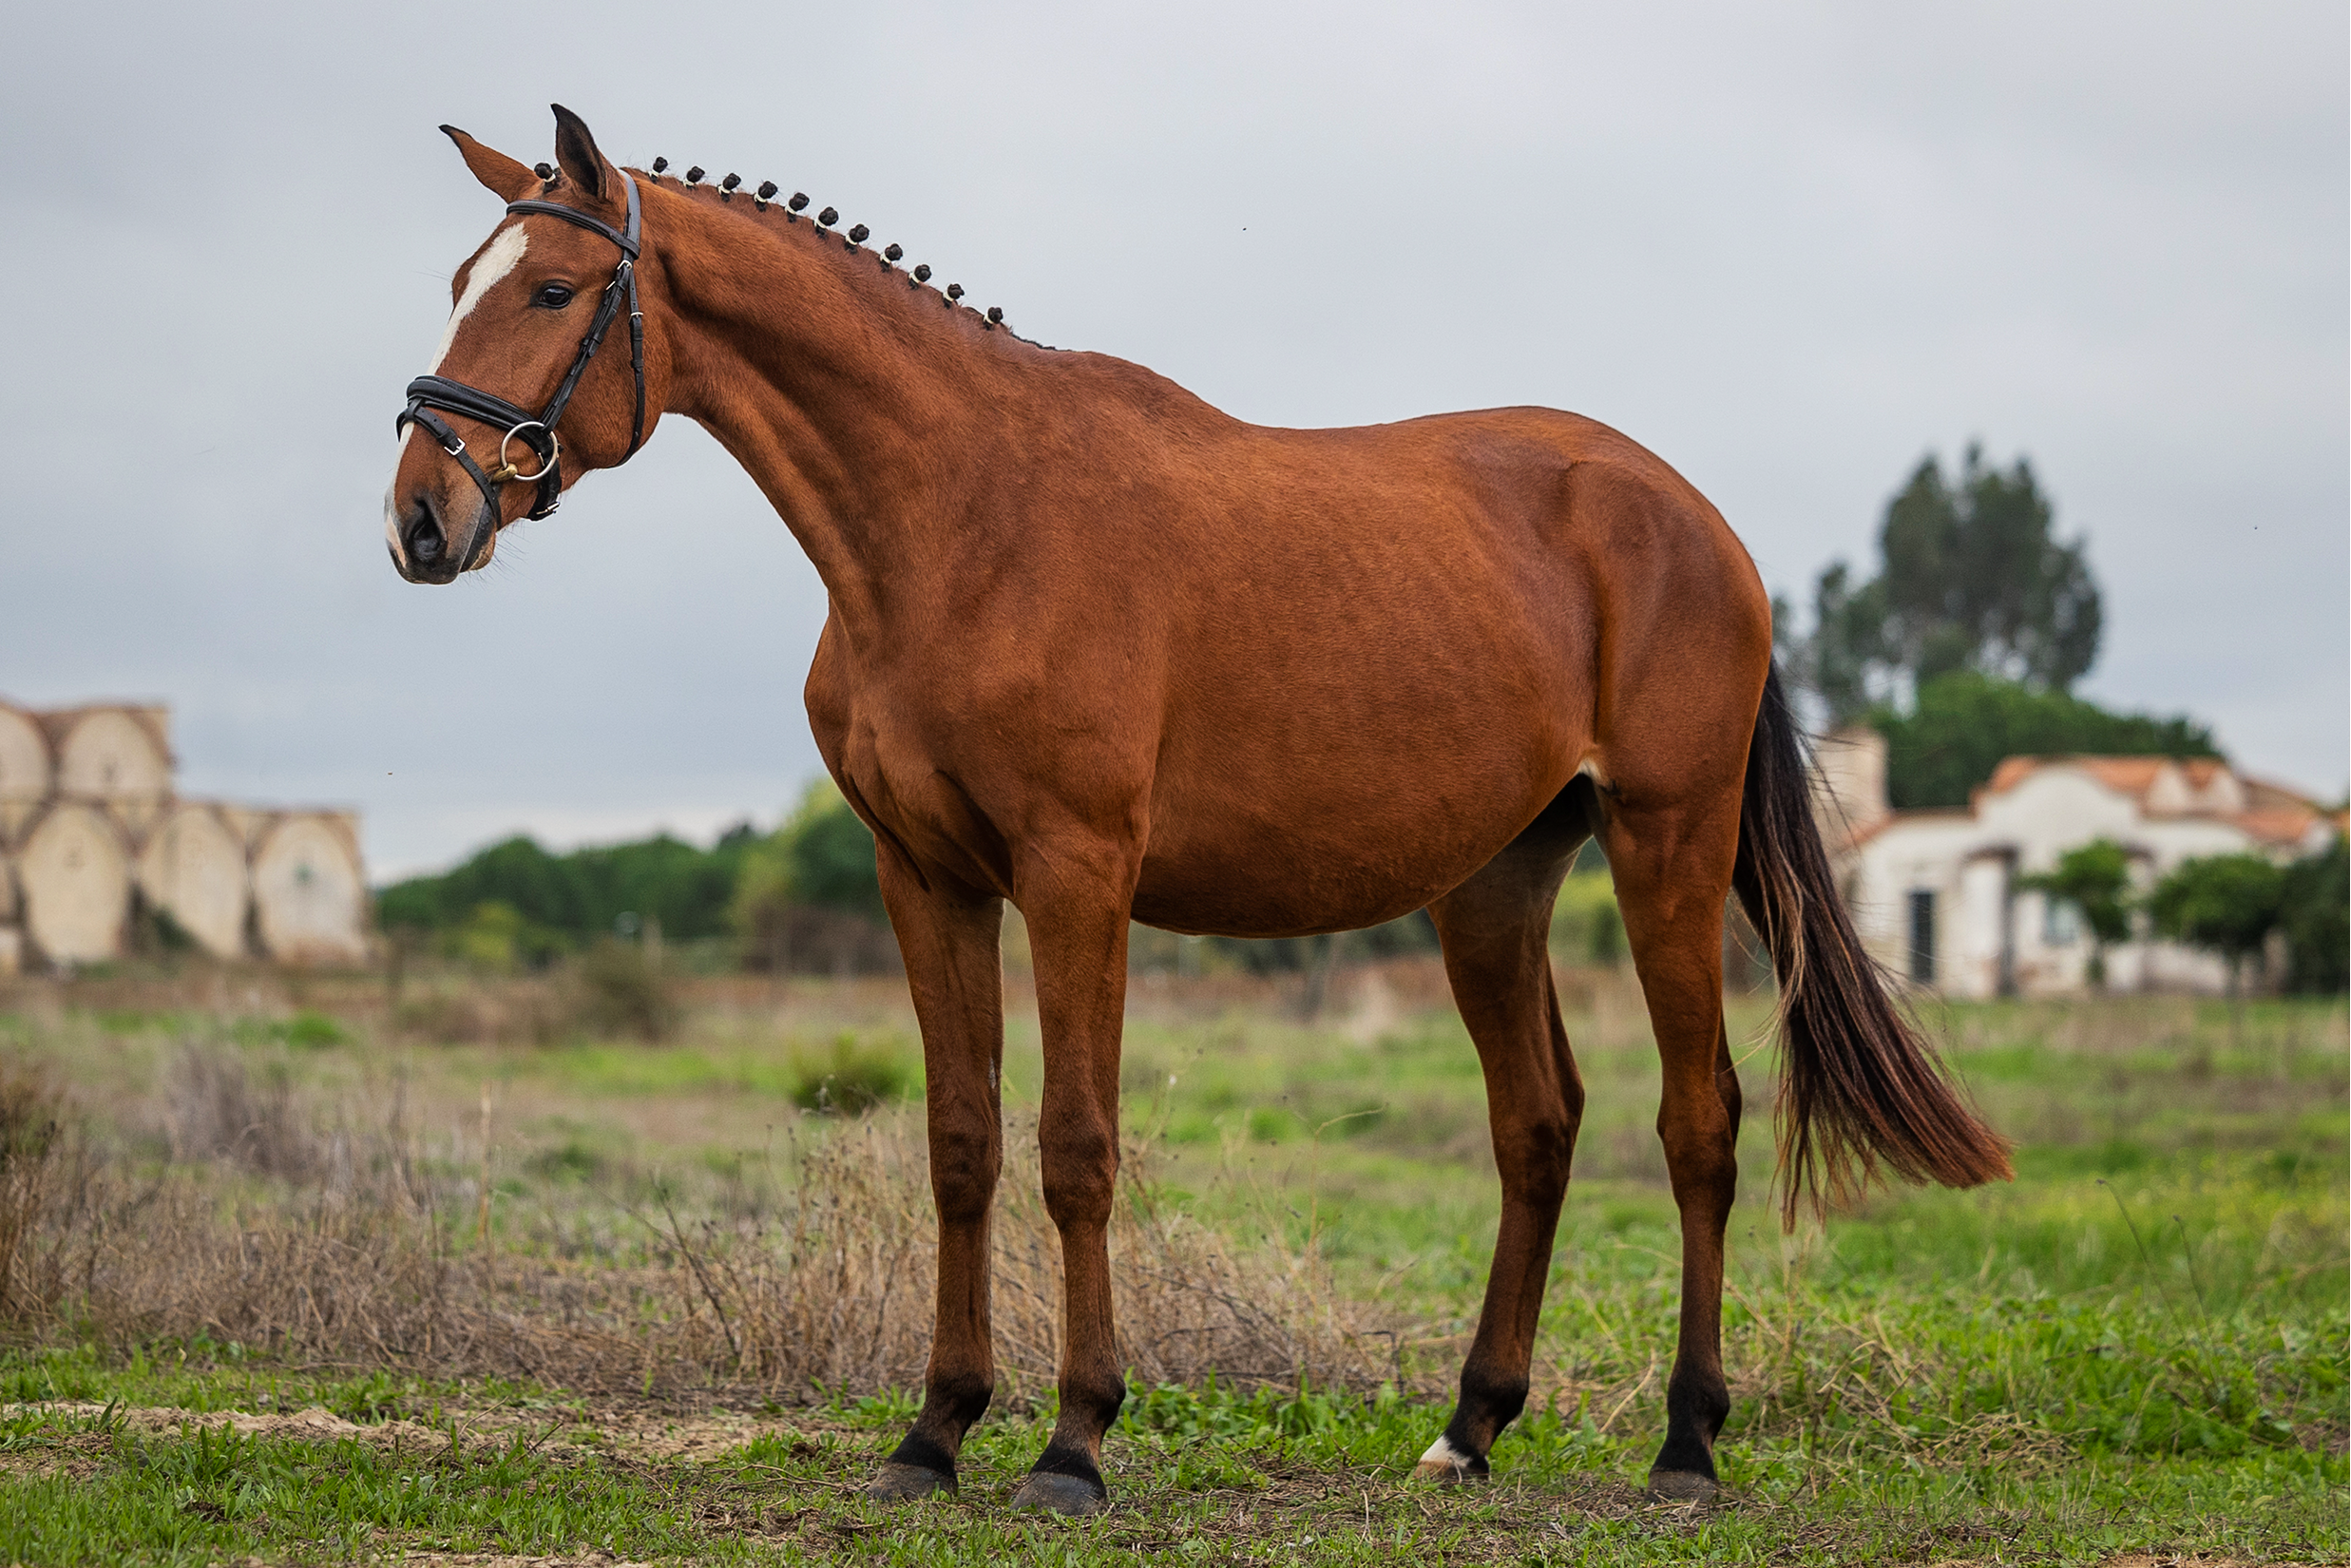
{"type": "Point", "coordinates": [500, 259]}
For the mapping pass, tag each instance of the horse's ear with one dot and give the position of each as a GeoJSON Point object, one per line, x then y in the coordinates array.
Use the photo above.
{"type": "Point", "coordinates": [574, 150]}
{"type": "Point", "coordinates": [505, 177]}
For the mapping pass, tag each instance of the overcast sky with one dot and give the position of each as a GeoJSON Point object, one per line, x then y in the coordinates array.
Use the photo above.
{"type": "Point", "coordinates": [1791, 248]}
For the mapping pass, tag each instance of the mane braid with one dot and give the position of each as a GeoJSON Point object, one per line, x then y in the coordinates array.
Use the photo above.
{"type": "Point", "coordinates": [763, 212]}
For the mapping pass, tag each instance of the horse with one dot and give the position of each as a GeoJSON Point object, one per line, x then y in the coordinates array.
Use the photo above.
{"type": "Point", "coordinates": [1102, 652]}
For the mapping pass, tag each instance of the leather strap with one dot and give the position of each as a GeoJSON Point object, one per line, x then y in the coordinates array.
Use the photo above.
{"type": "Point", "coordinates": [515, 423]}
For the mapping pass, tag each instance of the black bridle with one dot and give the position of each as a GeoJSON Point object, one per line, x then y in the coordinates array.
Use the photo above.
{"type": "Point", "coordinates": [537, 432]}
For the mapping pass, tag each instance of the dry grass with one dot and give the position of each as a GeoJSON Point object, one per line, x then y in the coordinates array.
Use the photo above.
{"type": "Point", "coordinates": [284, 1224]}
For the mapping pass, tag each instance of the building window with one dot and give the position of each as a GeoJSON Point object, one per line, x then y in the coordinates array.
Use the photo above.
{"type": "Point", "coordinates": [2061, 922]}
{"type": "Point", "coordinates": [1922, 936]}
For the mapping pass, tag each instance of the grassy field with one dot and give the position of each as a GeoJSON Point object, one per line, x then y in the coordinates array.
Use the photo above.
{"type": "Point", "coordinates": [254, 1310]}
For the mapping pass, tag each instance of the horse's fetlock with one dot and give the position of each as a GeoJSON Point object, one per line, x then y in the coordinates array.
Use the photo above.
{"type": "Point", "coordinates": [1491, 1399]}
{"type": "Point", "coordinates": [961, 1397]}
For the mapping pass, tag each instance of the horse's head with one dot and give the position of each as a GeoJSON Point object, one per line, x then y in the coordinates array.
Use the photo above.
{"type": "Point", "coordinates": [519, 402]}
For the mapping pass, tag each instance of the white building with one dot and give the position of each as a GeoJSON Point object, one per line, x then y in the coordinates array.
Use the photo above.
{"type": "Point", "coordinates": [91, 834]}
{"type": "Point", "coordinates": [1934, 894]}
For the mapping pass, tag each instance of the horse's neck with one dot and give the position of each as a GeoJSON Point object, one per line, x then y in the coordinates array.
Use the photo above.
{"type": "Point", "coordinates": [849, 395]}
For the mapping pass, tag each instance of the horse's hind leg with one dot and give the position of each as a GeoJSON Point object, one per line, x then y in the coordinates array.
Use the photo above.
{"type": "Point", "coordinates": [1671, 848]}
{"type": "Point", "coordinates": [1496, 929]}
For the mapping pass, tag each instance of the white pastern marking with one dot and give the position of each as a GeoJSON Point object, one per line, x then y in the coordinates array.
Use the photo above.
{"type": "Point", "coordinates": [1442, 1452]}
{"type": "Point", "coordinates": [501, 257]}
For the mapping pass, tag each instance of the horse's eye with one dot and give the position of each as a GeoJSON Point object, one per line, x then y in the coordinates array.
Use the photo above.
{"type": "Point", "coordinates": [552, 297]}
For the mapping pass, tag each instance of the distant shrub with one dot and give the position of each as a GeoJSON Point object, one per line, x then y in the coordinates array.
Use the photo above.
{"type": "Point", "coordinates": [1585, 925]}
{"type": "Point", "coordinates": [313, 1031]}
{"type": "Point", "coordinates": [852, 1078]}
{"type": "Point", "coordinates": [2317, 916]}
{"type": "Point", "coordinates": [625, 990]}
{"type": "Point", "coordinates": [571, 1160]}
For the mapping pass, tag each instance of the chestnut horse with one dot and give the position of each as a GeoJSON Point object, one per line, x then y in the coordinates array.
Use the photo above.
{"type": "Point", "coordinates": [1102, 651]}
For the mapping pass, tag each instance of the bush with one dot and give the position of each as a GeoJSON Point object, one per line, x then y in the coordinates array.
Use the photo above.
{"type": "Point", "coordinates": [852, 1079]}
{"type": "Point", "coordinates": [2225, 904]}
{"type": "Point", "coordinates": [623, 989]}
{"type": "Point", "coordinates": [2316, 913]}
{"type": "Point", "coordinates": [1586, 926]}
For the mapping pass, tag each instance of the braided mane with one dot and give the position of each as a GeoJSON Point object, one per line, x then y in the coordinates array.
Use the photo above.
{"type": "Point", "coordinates": [765, 204]}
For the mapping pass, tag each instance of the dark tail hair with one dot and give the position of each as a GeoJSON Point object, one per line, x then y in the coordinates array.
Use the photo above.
{"type": "Point", "coordinates": [1860, 1084]}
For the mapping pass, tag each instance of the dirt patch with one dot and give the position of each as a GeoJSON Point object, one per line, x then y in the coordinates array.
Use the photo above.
{"type": "Point", "coordinates": [641, 1434]}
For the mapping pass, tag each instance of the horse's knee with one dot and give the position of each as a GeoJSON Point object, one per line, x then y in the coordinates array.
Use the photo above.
{"type": "Point", "coordinates": [1534, 1152]}
{"type": "Point", "coordinates": [1081, 1174]}
{"type": "Point", "coordinates": [963, 1165]}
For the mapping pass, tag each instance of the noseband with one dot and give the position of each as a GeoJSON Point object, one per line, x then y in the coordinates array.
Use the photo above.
{"type": "Point", "coordinates": [537, 432]}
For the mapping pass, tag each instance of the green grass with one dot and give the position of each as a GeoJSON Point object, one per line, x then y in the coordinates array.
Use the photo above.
{"type": "Point", "coordinates": [2139, 1344]}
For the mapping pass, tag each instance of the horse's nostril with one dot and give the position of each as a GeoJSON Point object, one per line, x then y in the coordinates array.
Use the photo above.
{"type": "Point", "coordinates": [425, 541]}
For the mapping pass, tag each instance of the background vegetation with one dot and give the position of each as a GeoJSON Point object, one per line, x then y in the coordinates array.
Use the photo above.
{"type": "Point", "coordinates": [286, 1283]}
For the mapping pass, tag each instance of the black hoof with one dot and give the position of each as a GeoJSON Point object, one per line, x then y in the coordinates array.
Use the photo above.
{"type": "Point", "coordinates": [1044, 1492]}
{"type": "Point", "coordinates": [904, 1483]}
{"type": "Point", "coordinates": [1683, 1486]}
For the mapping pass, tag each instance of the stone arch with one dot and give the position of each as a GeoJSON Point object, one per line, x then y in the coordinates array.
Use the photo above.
{"type": "Point", "coordinates": [310, 899]}
{"type": "Point", "coordinates": [194, 866]}
{"type": "Point", "coordinates": [74, 871]}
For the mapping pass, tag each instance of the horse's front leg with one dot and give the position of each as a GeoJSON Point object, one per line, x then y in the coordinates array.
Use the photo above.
{"type": "Point", "coordinates": [953, 941]}
{"type": "Point", "coordinates": [1076, 892]}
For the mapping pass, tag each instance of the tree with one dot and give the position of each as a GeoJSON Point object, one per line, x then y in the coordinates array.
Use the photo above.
{"type": "Point", "coordinates": [1971, 580]}
{"type": "Point", "coordinates": [2317, 916]}
{"type": "Point", "coordinates": [1965, 722]}
{"type": "Point", "coordinates": [2225, 904]}
{"type": "Point", "coordinates": [574, 898]}
{"type": "Point", "coordinates": [2095, 879]}
{"type": "Point", "coordinates": [821, 859]}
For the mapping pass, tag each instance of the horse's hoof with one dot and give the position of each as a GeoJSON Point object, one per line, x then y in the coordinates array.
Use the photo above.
{"type": "Point", "coordinates": [904, 1483]}
{"type": "Point", "coordinates": [1044, 1492]}
{"type": "Point", "coordinates": [1447, 1463]}
{"type": "Point", "coordinates": [1683, 1486]}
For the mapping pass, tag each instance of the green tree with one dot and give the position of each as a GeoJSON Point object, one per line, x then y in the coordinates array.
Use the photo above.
{"type": "Point", "coordinates": [2225, 904]}
{"type": "Point", "coordinates": [2316, 913]}
{"type": "Point", "coordinates": [821, 857]}
{"type": "Point", "coordinates": [578, 896]}
{"type": "Point", "coordinates": [1965, 722]}
{"type": "Point", "coordinates": [1971, 580]}
{"type": "Point", "coordinates": [2095, 879]}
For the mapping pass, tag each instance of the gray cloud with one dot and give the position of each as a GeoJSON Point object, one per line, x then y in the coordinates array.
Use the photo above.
{"type": "Point", "coordinates": [1791, 248]}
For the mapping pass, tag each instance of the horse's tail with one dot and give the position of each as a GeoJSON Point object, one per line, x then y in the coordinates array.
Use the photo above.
{"type": "Point", "coordinates": [1859, 1083]}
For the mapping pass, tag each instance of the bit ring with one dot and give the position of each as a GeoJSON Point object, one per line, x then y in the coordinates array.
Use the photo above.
{"type": "Point", "coordinates": [506, 469]}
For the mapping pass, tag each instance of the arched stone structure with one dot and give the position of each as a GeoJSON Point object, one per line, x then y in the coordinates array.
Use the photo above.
{"type": "Point", "coordinates": [194, 866]}
{"type": "Point", "coordinates": [74, 873]}
{"type": "Point", "coordinates": [309, 896]}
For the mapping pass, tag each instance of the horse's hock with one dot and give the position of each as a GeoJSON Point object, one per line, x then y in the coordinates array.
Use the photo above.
{"type": "Point", "coordinates": [94, 839]}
